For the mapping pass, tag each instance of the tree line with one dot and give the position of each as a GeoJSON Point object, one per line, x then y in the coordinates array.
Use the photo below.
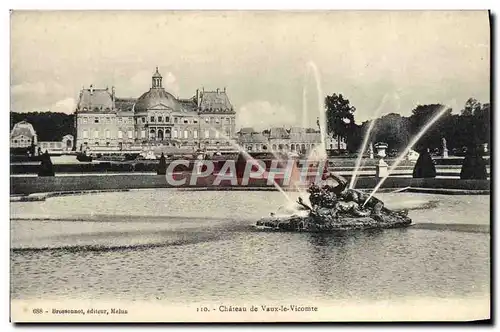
{"type": "Point", "coordinates": [467, 129]}
{"type": "Point", "coordinates": [49, 126]}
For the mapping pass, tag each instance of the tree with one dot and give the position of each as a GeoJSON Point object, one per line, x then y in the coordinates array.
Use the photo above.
{"type": "Point", "coordinates": [46, 167]}
{"type": "Point", "coordinates": [474, 166]}
{"type": "Point", "coordinates": [393, 130]}
{"type": "Point", "coordinates": [420, 117]}
{"type": "Point", "coordinates": [339, 116]}
{"type": "Point", "coordinates": [424, 167]}
{"type": "Point", "coordinates": [162, 165]}
{"type": "Point", "coordinates": [471, 107]}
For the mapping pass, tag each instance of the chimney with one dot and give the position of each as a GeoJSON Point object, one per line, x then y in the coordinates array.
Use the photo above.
{"type": "Point", "coordinates": [198, 97]}
{"type": "Point", "coordinates": [217, 90]}
{"type": "Point", "coordinates": [224, 89]}
{"type": "Point", "coordinates": [113, 95]}
{"type": "Point", "coordinates": [91, 89]}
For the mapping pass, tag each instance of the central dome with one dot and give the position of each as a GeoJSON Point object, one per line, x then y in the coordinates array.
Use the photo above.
{"type": "Point", "coordinates": [156, 96]}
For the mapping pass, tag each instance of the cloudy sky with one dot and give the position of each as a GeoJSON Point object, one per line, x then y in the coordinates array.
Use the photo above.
{"type": "Point", "coordinates": [381, 61]}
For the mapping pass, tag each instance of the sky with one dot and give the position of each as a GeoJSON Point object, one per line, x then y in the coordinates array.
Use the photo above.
{"type": "Point", "coordinates": [382, 62]}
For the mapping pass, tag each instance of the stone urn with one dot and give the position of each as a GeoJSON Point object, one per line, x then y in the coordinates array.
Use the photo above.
{"type": "Point", "coordinates": [382, 169]}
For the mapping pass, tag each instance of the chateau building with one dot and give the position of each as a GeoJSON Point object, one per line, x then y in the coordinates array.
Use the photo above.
{"type": "Point", "coordinates": [155, 121]}
{"type": "Point", "coordinates": [23, 135]}
{"type": "Point", "coordinates": [279, 139]}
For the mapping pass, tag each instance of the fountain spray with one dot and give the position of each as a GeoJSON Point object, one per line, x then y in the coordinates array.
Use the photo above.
{"type": "Point", "coordinates": [352, 183]}
{"type": "Point", "coordinates": [248, 157]}
{"type": "Point", "coordinates": [405, 152]}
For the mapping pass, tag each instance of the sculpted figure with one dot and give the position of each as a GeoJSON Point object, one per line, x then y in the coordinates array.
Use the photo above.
{"type": "Point", "coordinates": [352, 195]}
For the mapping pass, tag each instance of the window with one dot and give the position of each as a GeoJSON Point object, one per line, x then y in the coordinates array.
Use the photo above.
{"type": "Point", "coordinates": [195, 121]}
{"type": "Point", "coordinates": [96, 134]}
{"type": "Point", "coordinates": [85, 119]}
{"type": "Point", "coordinates": [160, 119]}
{"type": "Point", "coordinates": [216, 134]}
{"type": "Point", "coordinates": [15, 141]}
{"type": "Point", "coordinates": [119, 120]}
{"type": "Point", "coordinates": [152, 119]}
{"type": "Point", "coordinates": [120, 134]}
{"type": "Point", "coordinates": [195, 134]}
{"type": "Point", "coordinates": [108, 119]}
{"type": "Point", "coordinates": [211, 120]}
{"type": "Point", "coordinates": [228, 120]}
{"type": "Point", "coordinates": [186, 134]}
{"type": "Point", "coordinates": [186, 121]}
{"type": "Point", "coordinates": [207, 120]}
{"type": "Point", "coordinates": [130, 134]}
{"type": "Point", "coordinates": [175, 133]}
{"type": "Point", "coordinates": [108, 133]}
{"type": "Point", "coordinates": [207, 133]}
{"type": "Point", "coordinates": [217, 120]}
{"type": "Point", "coordinates": [143, 119]}
{"type": "Point", "coordinates": [85, 134]}
{"type": "Point", "coordinates": [96, 120]}
{"type": "Point", "coordinates": [176, 120]}
{"type": "Point", "coordinates": [143, 133]}
{"type": "Point", "coordinates": [167, 119]}
{"type": "Point", "coordinates": [96, 143]}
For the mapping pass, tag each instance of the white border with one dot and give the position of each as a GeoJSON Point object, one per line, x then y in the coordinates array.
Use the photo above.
{"type": "Point", "coordinates": [186, 4]}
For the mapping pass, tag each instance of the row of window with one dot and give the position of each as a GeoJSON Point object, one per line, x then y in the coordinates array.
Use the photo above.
{"type": "Point", "coordinates": [154, 119]}
{"type": "Point", "coordinates": [22, 140]}
{"type": "Point", "coordinates": [160, 133]}
{"type": "Point", "coordinates": [107, 119]}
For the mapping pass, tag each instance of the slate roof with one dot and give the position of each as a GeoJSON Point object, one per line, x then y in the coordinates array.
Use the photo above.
{"type": "Point", "coordinates": [124, 104]}
{"type": "Point", "coordinates": [23, 128]}
{"type": "Point", "coordinates": [154, 97]}
{"type": "Point", "coordinates": [215, 102]}
{"type": "Point", "coordinates": [188, 105]}
{"type": "Point", "coordinates": [95, 100]}
{"type": "Point", "coordinates": [246, 130]}
{"type": "Point", "coordinates": [278, 133]}
{"type": "Point", "coordinates": [253, 138]}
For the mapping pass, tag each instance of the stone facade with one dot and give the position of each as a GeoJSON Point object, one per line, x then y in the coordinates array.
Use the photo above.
{"type": "Point", "coordinates": [295, 139]}
{"type": "Point", "coordinates": [23, 135]}
{"type": "Point", "coordinates": [155, 121]}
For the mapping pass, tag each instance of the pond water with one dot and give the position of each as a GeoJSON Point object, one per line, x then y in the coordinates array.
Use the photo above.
{"type": "Point", "coordinates": [187, 246]}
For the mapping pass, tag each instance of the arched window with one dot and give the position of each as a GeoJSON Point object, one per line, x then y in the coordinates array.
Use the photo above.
{"type": "Point", "coordinates": [274, 147]}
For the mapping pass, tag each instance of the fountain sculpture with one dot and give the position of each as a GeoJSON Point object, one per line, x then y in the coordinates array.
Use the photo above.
{"type": "Point", "coordinates": [336, 209]}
